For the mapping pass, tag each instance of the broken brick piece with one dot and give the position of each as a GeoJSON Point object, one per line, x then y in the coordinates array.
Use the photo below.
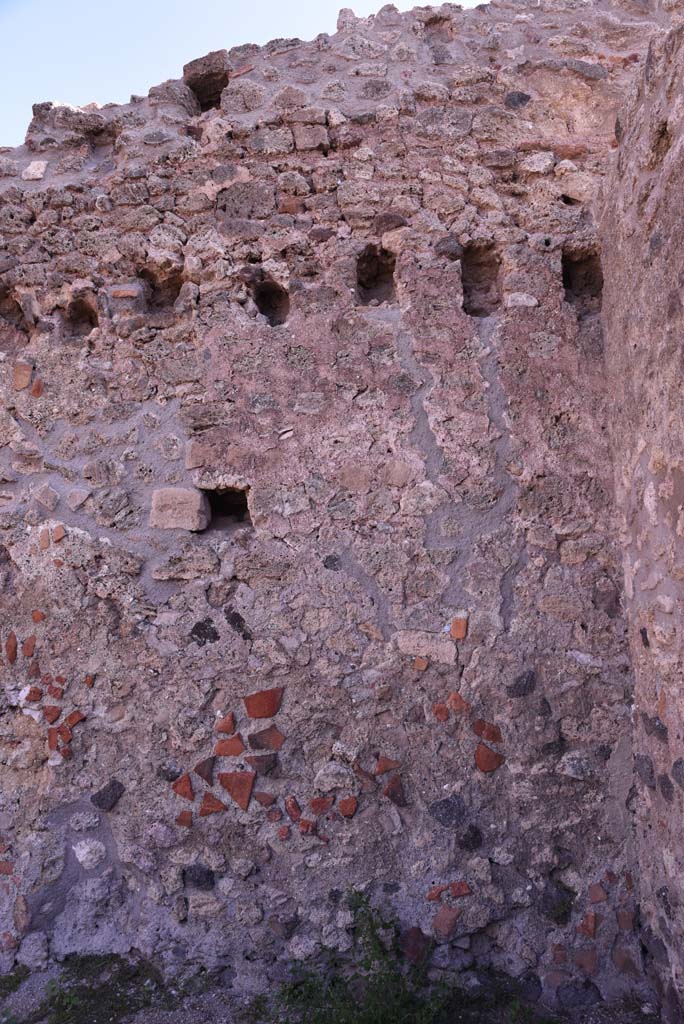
{"type": "Point", "coordinates": [597, 894]}
{"type": "Point", "coordinates": [51, 713]}
{"type": "Point", "coordinates": [263, 763]}
{"type": "Point", "coordinates": [53, 738]}
{"type": "Point", "coordinates": [293, 809]}
{"type": "Point", "coordinates": [264, 703]}
{"type": "Point", "coordinates": [239, 786]}
{"type": "Point", "coordinates": [458, 889]}
{"type": "Point", "coordinates": [59, 533]}
{"type": "Point", "coordinates": [11, 648]}
{"type": "Point", "coordinates": [44, 539]}
{"type": "Point", "coordinates": [284, 833]}
{"type": "Point", "coordinates": [5, 867]}
{"type": "Point", "coordinates": [441, 712]}
{"type": "Point", "coordinates": [456, 703]}
{"type": "Point", "coordinates": [231, 747]}
{"type": "Point", "coordinates": [420, 664]}
{"type": "Point", "coordinates": [74, 718]}
{"type": "Point", "coordinates": [89, 681]}
{"type": "Point", "coordinates": [274, 815]}
{"type": "Point", "coordinates": [384, 765]}
{"type": "Point", "coordinates": [487, 731]}
{"type": "Point", "coordinates": [34, 694]}
{"type": "Point", "coordinates": [37, 616]}
{"type": "Point", "coordinates": [307, 827]}
{"type": "Point", "coordinates": [459, 627]}
{"type": "Point", "coordinates": [265, 799]}
{"type": "Point", "coordinates": [267, 739]}
{"type": "Point", "coordinates": [587, 925]}
{"type": "Point", "coordinates": [321, 804]}
{"type": "Point", "coordinates": [226, 724]}
{"type": "Point", "coordinates": [205, 770]}
{"type": "Point", "coordinates": [183, 787]}
{"type": "Point", "coordinates": [444, 921]}
{"type": "Point", "coordinates": [28, 647]}
{"type": "Point", "coordinates": [66, 752]}
{"type": "Point", "coordinates": [184, 819]}
{"type": "Point", "coordinates": [394, 791]}
{"type": "Point", "coordinates": [210, 805]}
{"type": "Point", "coordinates": [435, 892]}
{"type": "Point", "coordinates": [37, 388]}
{"type": "Point", "coordinates": [348, 806]}
{"type": "Point", "coordinates": [64, 733]}
{"type": "Point", "coordinates": [486, 759]}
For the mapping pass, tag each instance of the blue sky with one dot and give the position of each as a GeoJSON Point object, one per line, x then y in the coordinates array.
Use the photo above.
{"type": "Point", "coordinates": [77, 51]}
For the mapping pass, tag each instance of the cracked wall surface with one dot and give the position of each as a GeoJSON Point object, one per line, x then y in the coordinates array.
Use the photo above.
{"type": "Point", "coordinates": [403, 666]}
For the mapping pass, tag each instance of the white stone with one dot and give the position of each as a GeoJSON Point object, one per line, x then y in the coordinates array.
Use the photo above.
{"type": "Point", "coordinates": [180, 508]}
{"type": "Point", "coordinates": [90, 853]}
{"type": "Point", "coordinates": [517, 299]}
{"type": "Point", "coordinates": [35, 170]}
{"type": "Point", "coordinates": [538, 163]}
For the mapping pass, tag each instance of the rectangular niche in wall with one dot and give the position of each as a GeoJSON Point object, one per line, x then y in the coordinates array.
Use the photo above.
{"type": "Point", "coordinates": [583, 281]}
{"type": "Point", "coordinates": [480, 277]}
{"type": "Point", "coordinates": [229, 508]}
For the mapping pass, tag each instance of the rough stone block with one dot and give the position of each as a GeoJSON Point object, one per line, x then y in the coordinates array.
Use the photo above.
{"type": "Point", "coordinates": [180, 508]}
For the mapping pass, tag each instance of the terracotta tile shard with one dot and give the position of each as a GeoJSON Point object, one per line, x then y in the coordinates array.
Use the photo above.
{"type": "Point", "coordinates": [183, 787]}
{"type": "Point", "coordinates": [37, 388]}
{"type": "Point", "coordinates": [226, 725]}
{"type": "Point", "coordinates": [58, 563]}
{"type": "Point", "coordinates": [90, 681]}
{"type": "Point", "coordinates": [435, 893]}
{"type": "Point", "coordinates": [267, 739]}
{"type": "Point", "coordinates": [5, 867]}
{"type": "Point", "coordinates": [231, 747]}
{"type": "Point", "coordinates": [487, 731]}
{"type": "Point", "coordinates": [51, 713]}
{"type": "Point", "coordinates": [28, 647]}
{"type": "Point", "coordinates": [44, 539]}
{"type": "Point", "coordinates": [348, 806]}
{"type": "Point", "coordinates": [307, 827]}
{"type": "Point", "coordinates": [64, 733]}
{"type": "Point", "coordinates": [293, 809]}
{"type": "Point", "coordinates": [11, 648]}
{"type": "Point", "coordinates": [444, 921]}
{"type": "Point", "coordinates": [284, 833]}
{"type": "Point", "coordinates": [264, 703]}
{"type": "Point", "coordinates": [205, 770]}
{"type": "Point", "coordinates": [458, 889]}
{"type": "Point", "coordinates": [457, 704]}
{"type": "Point", "coordinates": [394, 791]}
{"type": "Point", "coordinates": [66, 752]}
{"type": "Point", "coordinates": [441, 712]}
{"type": "Point", "coordinates": [37, 616]}
{"type": "Point", "coordinates": [239, 786]}
{"type": "Point", "coordinates": [34, 694]}
{"type": "Point", "coordinates": [210, 805]}
{"type": "Point", "coordinates": [56, 691]}
{"type": "Point", "coordinates": [74, 718]}
{"type": "Point", "coordinates": [486, 759]}
{"type": "Point", "coordinates": [53, 739]}
{"type": "Point", "coordinates": [265, 799]}
{"type": "Point", "coordinates": [21, 375]}
{"type": "Point", "coordinates": [263, 763]}
{"type": "Point", "coordinates": [321, 804]}
{"type": "Point", "coordinates": [384, 765]}
{"type": "Point", "coordinates": [34, 671]}
{"type": "Point", "coordinates": [597, 894]}
{"type": "Point", "coordinates": [58, 534]}
{"type": "Point", "coordinates": [274, 815]}
{"type": "Point", "coordinates": [587, 925]}
{"type": "Point", "coordinates": [459, 627]}
{"type": "Point", "coordinates": [420, 664]}
{"type": "Point", "coordinates": [184, 819]}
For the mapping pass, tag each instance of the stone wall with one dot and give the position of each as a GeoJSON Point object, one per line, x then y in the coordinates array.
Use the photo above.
{"type": "Point", "coordinates": [643, 317]}
{"type": "Point", "coordinates": [311, 578]}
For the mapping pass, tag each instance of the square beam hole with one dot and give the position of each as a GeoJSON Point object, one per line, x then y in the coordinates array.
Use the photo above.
{"type": "Point", "coordinates": [229, 508]}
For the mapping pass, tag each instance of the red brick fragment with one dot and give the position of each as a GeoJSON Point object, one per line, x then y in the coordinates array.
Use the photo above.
{"type": "Point", "coordinates": [37, 388]}
{"type": "Point", "coordinates": [587, 925]}
{"type": "Point", "coordinates": [294, 811]}
{"type": "Point", "coordinates": [434, 894]}
{"type": "Point", "coordinates": [53, 736]}
{"type": "Point", "coordinates": [394, 791]}
{"type": "Point", "coordinates": [205, 770]}
{"type": "Point", "coordinates": [64, 733]}
{"type": "Point", "coordinates": [183, 787]}
{"type": "Point", "coordinates": [265, 799]}
{"type": "Point", "coordinates": [239, 786]}
{"type": "Point", "coordinates": [457, 704]}
{"type": "Point", "coordinates": [267, 739]}
{"type": "Point", "coordinates": [11, 648]}
{"type": "Point", "coordinates": [231, 747]}
{"type": "Point", "coordinates": [488, 760]}
{"type": "Point", "coordinates": [348, 806]}
{"type": "Point", "coordinates": [74, 718]}
{"type": "Point", "coordinates": [441, 712]}
{"type": "Point", "coordinates": [384, 765]}
{"type": "Point", "coordinates": [284, 833]}
{"type": "Point", "coordinates": [44, 539]}
{"type": "Point", "coordinates": [34, 671]}
{"type": "Point", "coordinates": [58, 534]}
{"type": "Point", "coordinates": [34, 694]}
{"type": "Point", "coordinates": [487, 731]}
{"type": "Point", "coordinates": [51, 713]}
{"type": "Point", "coordinates": [58, 563]}
{"type": "Point", "coordinates": [420, 664]}
{"type": "Point", "coordinates": [5, 867]}
{"type": "Point", "coordinates": [28, 647]}
{"type": "Point", "coordinates": [210, 805]}
{"type": "Point", "coordinates": [459, 627]}
{"type": "Point", "coordinates": [184, 819]}
{"type": "Point", "coordinates": [307, 827]}
{"type": "Point", "coordinates": [587, 960]}
{"type": "Point", "coordinates": [321, 804]}
{"type": "Point", "coordinates": [264, 703]}
{"type": "Point", "coordinates": [444, 921]}
{"type": "Point", "coordinates": [597, 894]}
{"type": "Point", "coordinates": [263, 763]}
{"type": "Point", "coordinates": [226, 724]}
{"type": "Point", "coordinates": [55, 691]}
{"type": "Point", "coordinates": [60, 679]}
{"type": "Point", "coordinates": [37, 616]}
{"type": "Point", "coordinates": [90, 681]}
{"type": "Point", "coordinates": [458, 889]}
{"type": "Point", "coordinates": [66, 752]}
{"type": "Point", "coordinates": [275, 814]}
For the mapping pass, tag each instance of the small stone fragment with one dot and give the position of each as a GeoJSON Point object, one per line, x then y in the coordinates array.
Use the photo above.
{"type": "Point", "coordinates": [35, 171]}
{"type": "Point", "coordinates": [108, 797]}
{"type": "Point", "coordinates": [394, 791]}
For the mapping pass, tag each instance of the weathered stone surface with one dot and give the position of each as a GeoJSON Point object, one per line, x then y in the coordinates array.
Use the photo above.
{"type": "Point", "coordinates": [305, 351]}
